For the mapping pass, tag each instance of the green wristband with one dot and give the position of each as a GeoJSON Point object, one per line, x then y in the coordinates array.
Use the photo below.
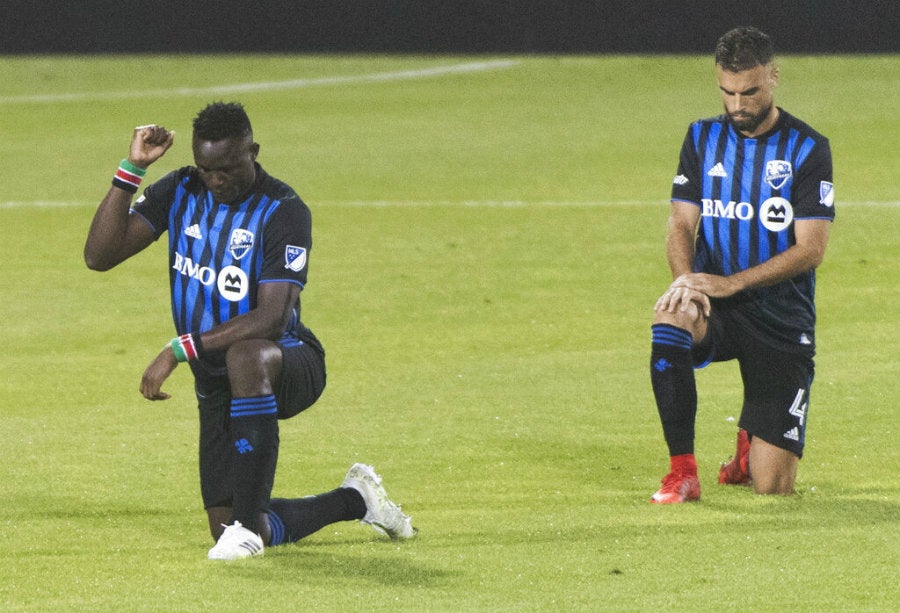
{"type": "Point", "coordinates": [178, 350]}
{"type": "Point", "coordinates": [137, 170]}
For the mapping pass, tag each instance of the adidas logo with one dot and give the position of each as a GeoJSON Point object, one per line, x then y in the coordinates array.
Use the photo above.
{"type": "Point", "coordinates": [793, 434]}
{"type": "Point", "coordinates": [252, 546]}
{"type": "Point", "coordinates": [194, 231]}
{"type": "Point", "coordinates": [717, 171]}
{"type": "Point", "coordinates": [680, 180]}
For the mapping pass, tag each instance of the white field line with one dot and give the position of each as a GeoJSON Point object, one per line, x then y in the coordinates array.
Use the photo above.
{"type": "Point", "coordinates": [39, 204]}
{"type": "Point", "coordinates": [548, 203]}
{"type": "Point", "coordinates": [377, 77]}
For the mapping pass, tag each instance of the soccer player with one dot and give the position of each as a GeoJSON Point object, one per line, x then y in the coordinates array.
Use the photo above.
{"type": "Point", "coordinates": [239, 244]}
{"type": "Point", "coordinates": [751, 208]}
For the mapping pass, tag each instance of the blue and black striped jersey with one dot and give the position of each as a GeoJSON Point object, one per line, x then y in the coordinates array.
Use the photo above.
{"type": "Point", "coordinates": [750, 192]}
{"type": "Point", "coordinates": [219, 254]}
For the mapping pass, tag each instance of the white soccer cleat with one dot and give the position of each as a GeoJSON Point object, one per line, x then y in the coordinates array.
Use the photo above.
{"type": "Point", "coordinates": [236, 542]}
{"type": "Point", "coordinates": [382, 514]}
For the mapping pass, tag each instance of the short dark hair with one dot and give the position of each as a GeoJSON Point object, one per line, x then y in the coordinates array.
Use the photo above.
{"type": "Point", "coordinates": [221, 120]}
{"type": "Point", "coordinates": [744, 48]}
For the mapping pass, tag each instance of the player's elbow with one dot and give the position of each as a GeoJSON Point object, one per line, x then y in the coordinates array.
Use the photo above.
{"type": "Point", "coordinates": [815, 256]}
{"type": "Point", "coordinates": [96, 261]}
{"type": "Point", "coordinates": [275, 330]}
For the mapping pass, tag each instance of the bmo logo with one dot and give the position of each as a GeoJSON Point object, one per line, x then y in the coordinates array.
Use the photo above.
{"type": "Point", "coordinates": [231, 281]}
{"type": "Point", "coordinates": [776, 214]}
{"type": "Point", "coordinates": [729, 210]}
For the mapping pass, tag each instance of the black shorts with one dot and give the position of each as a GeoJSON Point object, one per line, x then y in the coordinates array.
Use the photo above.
{"type": "Point", "coordinates": [301, 383]}
{"type": "Point", "coordinates": [776, 382]}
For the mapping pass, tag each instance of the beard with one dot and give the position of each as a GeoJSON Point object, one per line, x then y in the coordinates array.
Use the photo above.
{"type": "Point", "coordinates": [748, 122]}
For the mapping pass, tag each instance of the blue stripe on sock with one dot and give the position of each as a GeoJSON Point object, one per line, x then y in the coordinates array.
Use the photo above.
{"type": "Point", "coordinates": [252, 413]}
{"type": "Point", "coordinates": [246, 407]}
{"type": "Point", "coordinates": [255, 400]}
{"type": "Point", "coordinates": [664, 334]}
{"type": "Point", "coordinates": [276, 525]}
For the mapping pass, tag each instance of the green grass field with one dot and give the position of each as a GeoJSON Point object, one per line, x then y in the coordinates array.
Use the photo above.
{"type": "Point", "coordinates": [488, 247]}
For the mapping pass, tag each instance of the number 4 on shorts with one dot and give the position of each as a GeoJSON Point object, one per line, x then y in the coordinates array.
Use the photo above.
{"type": "Point", "coordinates": [798, 408]}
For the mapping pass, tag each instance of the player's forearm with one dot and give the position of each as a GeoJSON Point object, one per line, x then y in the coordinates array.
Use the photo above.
{"type": "Point", "coordinates": [805, 255]}
{"type": "Point", "coordinates": [275, 305]}
{"type": "Point", "coordinates": [108, 230]}
{"type": "Point", "coordinates": [680, 252]}
{"type": "Point", "coordinates": [248, 326]}
{"type": "Point", "coordinates": [786, 265]}
{"type": "Point", "coordinates": [681, 236]}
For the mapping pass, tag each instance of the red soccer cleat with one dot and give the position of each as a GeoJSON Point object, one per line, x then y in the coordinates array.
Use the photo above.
{"type": "Point", "coordinates": [737, 470]}
{"type": "Point", "coordinates": [677, 488]}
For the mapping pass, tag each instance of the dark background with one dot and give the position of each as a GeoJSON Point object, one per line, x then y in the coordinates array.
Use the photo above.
{"type": "Point", "coordinates": [431, 26]}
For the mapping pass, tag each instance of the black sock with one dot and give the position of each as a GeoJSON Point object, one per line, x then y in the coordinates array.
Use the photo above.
{"type": "Point", "coordinates": [292, 519]}
{"type": "Point", "coordinates": [254, 427]}
{"type": "Point", "coordinates": [674, 386]}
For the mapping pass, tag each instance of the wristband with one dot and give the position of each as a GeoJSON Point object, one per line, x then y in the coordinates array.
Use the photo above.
{"type": "Point", "coordinates": [128, 176]}
{"type": "Point", "coordinates": [186, 347]}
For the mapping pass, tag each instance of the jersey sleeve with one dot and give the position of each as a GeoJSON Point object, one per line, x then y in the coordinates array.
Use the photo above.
{"type": "Point", "coordinates": [687, 185]}
{"type": "Point", "coordinates": [154, 204]}
{"type": "Point", "coordinates": [287, 242]}
{"type": "Point", "coordinates": [813, 195]}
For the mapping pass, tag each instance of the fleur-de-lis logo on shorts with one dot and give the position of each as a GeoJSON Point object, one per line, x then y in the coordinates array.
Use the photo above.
{"type": "Point", "coordinates": [243, 446]}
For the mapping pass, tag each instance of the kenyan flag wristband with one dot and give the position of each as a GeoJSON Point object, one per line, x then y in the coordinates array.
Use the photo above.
{"type": "Point", "coordinates": [128, 176]}
{"type": "Point", "coordinates": [186, 347]}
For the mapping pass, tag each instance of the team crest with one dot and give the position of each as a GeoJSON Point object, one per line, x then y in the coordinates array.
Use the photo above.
{"type": "Point", "coordinates": [777, 173]}
{"type": "Point", "coordinates": [294, 258]}
{"type": "Point", "coordinates": [241, 243]}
